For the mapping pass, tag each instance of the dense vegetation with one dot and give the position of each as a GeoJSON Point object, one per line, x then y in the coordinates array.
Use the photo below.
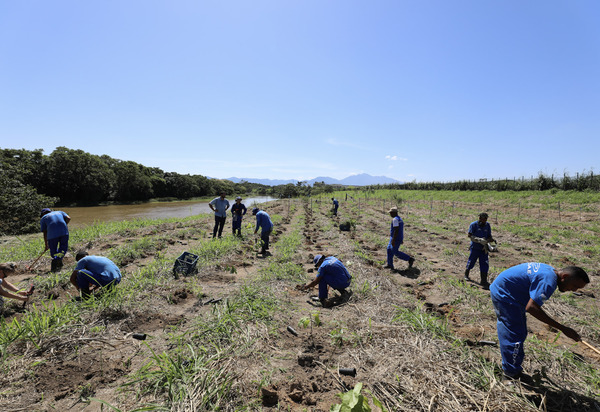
{"type": "Point", "coordinates": [32, 180]}
{"type": "Point", "coordinates": [584, 181]}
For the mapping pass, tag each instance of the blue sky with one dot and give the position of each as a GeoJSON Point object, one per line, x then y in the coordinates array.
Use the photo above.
{"type": "Point", "coordinates": [413, 90]}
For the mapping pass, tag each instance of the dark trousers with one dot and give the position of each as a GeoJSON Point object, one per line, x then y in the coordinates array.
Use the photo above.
{"type": "Point", "coordinates": [58, 246]}
{"type": "Point", "coordinates": [219, 224]}
{"type": "Point", "coordinates": [264, 236]}
{"type": "Point", "coordinates": [484, 260]}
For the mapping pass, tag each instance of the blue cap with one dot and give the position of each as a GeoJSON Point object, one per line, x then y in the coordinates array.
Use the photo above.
{"type": "Point", "coordinates": [316, 259]}
{"type": "Point", "coordinates": [255, 210]}
{"type": "Point", "coordinates": [45, 211]}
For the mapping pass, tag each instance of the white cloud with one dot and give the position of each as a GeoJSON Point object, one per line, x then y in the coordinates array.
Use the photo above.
{"type": "Point", "coordinates": [394, 158]}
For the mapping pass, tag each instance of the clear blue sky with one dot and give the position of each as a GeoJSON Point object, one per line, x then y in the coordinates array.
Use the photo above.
{"type": "Point", "coordinates": [413, 90]}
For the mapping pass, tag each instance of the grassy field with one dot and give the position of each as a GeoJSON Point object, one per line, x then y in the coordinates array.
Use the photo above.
{"type": "Point", "coordinates": [219, 340]}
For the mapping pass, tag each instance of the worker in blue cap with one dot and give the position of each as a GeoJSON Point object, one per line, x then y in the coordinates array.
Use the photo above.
{"type": "Point", "coordinates": [263, 221]}
{"type": "Point", "coordinates": [331, 272]}
{"type": "Point", "coordinates": [56, 235]}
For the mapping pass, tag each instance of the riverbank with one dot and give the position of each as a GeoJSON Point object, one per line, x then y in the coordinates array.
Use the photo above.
{"type": "Point", "coordinates": [82, 216]}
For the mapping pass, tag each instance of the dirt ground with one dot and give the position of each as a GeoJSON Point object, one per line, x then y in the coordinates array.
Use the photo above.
{"type": "Point", "coordinates": [299, 371]}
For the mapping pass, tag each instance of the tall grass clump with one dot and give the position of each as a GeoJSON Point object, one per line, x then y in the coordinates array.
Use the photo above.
{"type": "Point", "coordinates": [200, 370]}
{"type": "Point", "coordinates": [38, 324]}
{"type": "Point", "coordinates": [188, 377]}
{"type": "Point", "coordinates": [418, 320]}
{"type": "Point", "coordinates": [282, 266]}
{"type": "Point", "coordinates": [211, 252]}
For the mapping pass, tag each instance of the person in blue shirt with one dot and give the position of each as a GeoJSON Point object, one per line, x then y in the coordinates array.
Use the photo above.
{"type": "Point", "coordinates": [238, 210]}
{"type": "Point", "coordinates": [331, 272]}
{"type": "Point", "coordinates": [480, 232]}
{"type": "Point", "coordinates": [56, 235]}
{"type": "Point", "coordinates": [219, 205]}
{"type": "Point", "coordinates": [263, 221]}
{"type": "Point", "coordinates": [336, 205]}
{"type": "Point", "coordinates": [523, 289]}
{"type": "Point", "coordinates": [93, 273]}
{"type": "Point", "coordinates": [396, 239]}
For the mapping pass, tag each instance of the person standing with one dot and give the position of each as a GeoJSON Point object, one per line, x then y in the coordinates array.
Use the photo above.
{"type": "Point", "coordinates": [480, 233]}
{"type": "Point", "coordinates": [523, 289]}
{"type": "Point", "coordinates": [93, 273]}
{"type": "Point", "coordinates": [263, 221]}
{"type": "Point", "coordinates": [336, 205]}
{"type": "Point", "coordinates": [56, 235]}
{"type": "Point", "coordinates": [396, 239]}
{"type": "Point", "coordinates": [238, 210]}
{"type": "Point", "coordinates": [219, 205]}
{"type": "Point", "coordinates": [330, 272]}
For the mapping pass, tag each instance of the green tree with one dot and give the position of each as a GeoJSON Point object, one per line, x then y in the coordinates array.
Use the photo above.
{"type": "Point", "coordinates": [77, 176]}
{"type": "Point", "coordinates": [27, 167]}
{"type": "Point", "coordinates": [181, 186]}
{"type": "Point", "coordinates": [20, 205]}
{"type": "Point", "coordinates": [132, 181]}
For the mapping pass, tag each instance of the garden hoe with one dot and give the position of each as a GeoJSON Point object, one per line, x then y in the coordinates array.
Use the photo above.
{"type": "Point", "coordinates": [35, 261]}
{"type": "Point", "coordinates": [590, 346]}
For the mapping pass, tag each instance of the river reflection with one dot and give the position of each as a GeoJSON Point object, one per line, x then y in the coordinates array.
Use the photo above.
{"type": "Point", "coordinates": [82, 216]}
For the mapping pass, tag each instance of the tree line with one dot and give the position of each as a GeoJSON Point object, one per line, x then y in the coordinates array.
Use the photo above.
{"type": "Point", "coordinates": [580, 182]}
{"type": "Point", "coordinates": [31, 180]}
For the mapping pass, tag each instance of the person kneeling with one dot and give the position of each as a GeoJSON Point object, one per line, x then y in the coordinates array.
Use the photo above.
{"type": "Point", "coordinates": [330, 272]}
{"type": "Point", "coordinates": [93, 273]}
{"type": "Point", "coordinates": [5, 270]}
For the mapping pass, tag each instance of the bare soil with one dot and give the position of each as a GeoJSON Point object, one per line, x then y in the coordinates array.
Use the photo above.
{"type": "Point", "coordinates": [404, 369]}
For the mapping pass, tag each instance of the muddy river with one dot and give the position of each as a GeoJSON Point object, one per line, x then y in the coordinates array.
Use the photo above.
{"type": "Point", "coordinates": [81, 216]}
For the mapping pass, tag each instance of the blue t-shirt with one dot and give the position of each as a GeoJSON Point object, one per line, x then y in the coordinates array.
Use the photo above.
{"type": "Point", "coordinates": [100, 268]}
{"type": "Point", "coordinates": [399, 223]}
{"type": "Point", "coordinates": [55, 225]}
{"type": "Point", "coordinates": [336, 203]}
{"type": "Point", "coordinates": [476, 230]}
{"type": "Point", "coordinates": [220, 206]}
{"type": "Point", "coordinates": [334, 268]}
{"type": "Point", "coordinates": [518, 284]}
{"type": "Point", "coordinates": [263, 220]}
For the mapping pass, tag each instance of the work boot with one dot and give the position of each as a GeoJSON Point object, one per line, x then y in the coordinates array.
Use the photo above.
{"type": "Point", "coordinates": [325, 303]}
{"type": "Point", "coordinates": [59, 263]}
{"type": "Point", "coordinates": [410, 262]}
{"type": "Point", "coordinates": [344, 293]}
{"type": "Point", "coordinates": [54, 267]}
{"type": "Point", "coordinates": [467, 274]}
{"type": "Point", "coordinates": [523, 378]}
{"type": "Point", "coordinates": [484, 282]}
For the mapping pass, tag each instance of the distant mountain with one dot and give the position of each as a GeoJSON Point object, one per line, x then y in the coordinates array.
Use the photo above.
{"type": "Point", "coordinates": [364, 179]}
{"type": "Point", "coordinates": [268, 182]}
{"type": "Point", "coordinates": [355, 180]}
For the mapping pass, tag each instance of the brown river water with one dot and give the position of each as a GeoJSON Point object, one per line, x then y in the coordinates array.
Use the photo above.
{"type": "Point", "coordinates": [82, 216]}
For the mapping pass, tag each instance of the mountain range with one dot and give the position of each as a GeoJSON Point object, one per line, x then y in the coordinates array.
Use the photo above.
{"type": "Point", "coordinates": [362, 179]}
